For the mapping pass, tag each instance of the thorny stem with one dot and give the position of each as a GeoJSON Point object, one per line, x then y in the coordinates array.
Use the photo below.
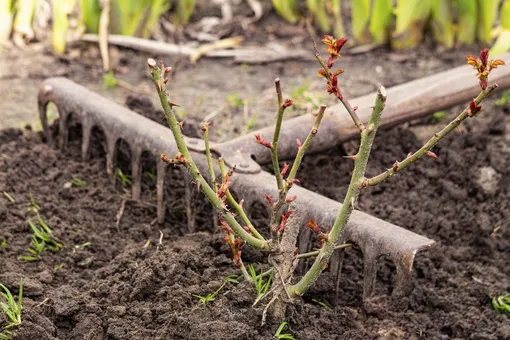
{"type": "Point", "coordinates": [342, 99]}
{"type": "Point", "coordinates": [159, 81]}
{"type": "Point", "coordinates": [276, 136]}
{"type": "Point", "coordinates": [398, 166]}
{"type": "Point", "coordinates": [316, 252]}
{"type": "Point", "coordinates": [301, 152]}
{"type": "Point", "coordinates": [295, 166]}
{"type": "Point", "coordinates": [358, 175]}
{"type": "Point", "coordinates": [238, 207]}
{"type": "Point", "coordinates": [210, 164]}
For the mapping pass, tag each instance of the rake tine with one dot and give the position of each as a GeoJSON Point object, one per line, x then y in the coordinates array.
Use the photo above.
{"type": "Point", "coordinates": [161, 169]}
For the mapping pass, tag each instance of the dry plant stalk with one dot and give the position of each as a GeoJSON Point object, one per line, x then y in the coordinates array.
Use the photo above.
{"type": "Point", "coordinates": [283, 224]}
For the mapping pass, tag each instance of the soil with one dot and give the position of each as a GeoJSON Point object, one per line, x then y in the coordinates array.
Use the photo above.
{"type": "Point", "coordinates": [137, 280]}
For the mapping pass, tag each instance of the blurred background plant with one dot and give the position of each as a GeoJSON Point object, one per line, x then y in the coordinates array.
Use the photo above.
{"type": "Point", "coordinates": [402, 24]}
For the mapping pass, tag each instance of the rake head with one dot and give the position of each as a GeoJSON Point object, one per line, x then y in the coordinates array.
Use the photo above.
{"type": "Point", "coordinates": [375, 237]}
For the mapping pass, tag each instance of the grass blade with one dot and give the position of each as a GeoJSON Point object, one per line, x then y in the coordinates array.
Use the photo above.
{"type": "Point", "coordinates": [360, 21]}
{"type": "Point", "coordinates": [442, 23]}
{"type": "Point", "coordinates": [467, 16]}
{"type": "Point", "coordinates": [412, 16]}
{"type": "Point", "coordinates": [317, 9]}
{"type": "Point", "coordinates": [488, 10]}
{"type": "Point", "coordinates": [381, 20]}
{"type": "Point", "coordinates": [502, 43]}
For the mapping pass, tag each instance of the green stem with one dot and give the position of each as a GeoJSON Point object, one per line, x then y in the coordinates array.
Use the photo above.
{"type": "Point", "coordinates": [316, 252]}
{"type": "Point", "coordinates": [302, 150]}
{"type": "Point", "coordinates": [358, 175]}
{"type": "Point", "coordinates": [210, 164]}
{"type": "Point", "coordinates": [399, 166]}
{"type": "Point", "coordinates": [237, 206]}
{"type": "Point", "coordinates": [158, 78]}
{"type": "Point", "coordinates": [276, 136]}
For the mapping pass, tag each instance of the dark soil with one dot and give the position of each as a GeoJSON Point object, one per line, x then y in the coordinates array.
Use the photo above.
{"type": "Point", "coordinates": [123, 287]}
{"type": "Point", "coordinates": [119, 288]}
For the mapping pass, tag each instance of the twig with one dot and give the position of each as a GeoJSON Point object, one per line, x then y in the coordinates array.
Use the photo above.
{"type": "Point", "coordinates": [343, 100]}
{"type": "Point", "coordinates": [316, 252]}
{"type": "Point", "coordinates": [238, 207]}
{"type": "Point", "coordinates": [217, 45]}
{"type": "Point", "coordinates": [120, 213]}
{"type": "Point", "coordinates": [411, 158]}
{"type": "Point", "coordinates": [184, 157]}
{"type": "Point", "coordinates": [358, 175]}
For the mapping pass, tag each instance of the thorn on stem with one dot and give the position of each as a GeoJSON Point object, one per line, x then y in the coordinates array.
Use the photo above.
{"type": "Point", "coordinates": [284, 169]}
{"type": "Point", "coordinates": [270, 200]}
{"type": "Point", "coordinates": [291, 199]}
{"type": "Point", "coordinates": [432, 155]}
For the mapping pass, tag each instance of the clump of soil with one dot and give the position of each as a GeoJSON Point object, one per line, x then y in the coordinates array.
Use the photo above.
{"type": "Point", "coordinates": [124, 287]}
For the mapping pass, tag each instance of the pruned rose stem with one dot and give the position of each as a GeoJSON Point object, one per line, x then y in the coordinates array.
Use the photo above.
{"type": "Point", "coordinates": [295, 166]}
{"type": "Point", "coordinates": [358, 176]}
{"type": "Point", "coordinates": [238, 207]}
{"type": "Point", "coordinates": [276, 136]}
{"type": "Point", "coordinates": [342, 98]}
{"type": "Point", "coordinates": [399, 166]}
{"type": "Point", "coordinates": [158, 76]}
{"type": "Point", "coordinates": [210, 165]}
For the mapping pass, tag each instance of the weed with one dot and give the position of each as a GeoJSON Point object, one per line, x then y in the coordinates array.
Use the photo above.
{"type": "Point", "coordinates": [279, 335]}
{"type": "Point", "coordinates": [32, 205]}
{"type": "Point", "coordinates": [437, 117]}
{"type": "Point", "coordinates": [261, 285]}
{"type": "Point", "coordinates": [124, 179]}
{"type": "Point", "coordinates": [3, 245]}
{"type": "Point", "coordinates": [322, 304]}
{"type": "Point", "coordinates": [151, 175]}
{"type": "Point", "coordinates": [9, 197]}
{"type": "Point", "coordinates": [42, 241]}
{"type": "Point", "coordinates": [83, 245]}
{"type": "Point", "coordinates": [235, 100]}
{"type": "Point", "coordinates": [76, 182]}
{"type": "Point", "coordinates": [109, 80]}
{"type": "Point", "coordinates": [232, 279]}
{"type": "Point", "coordinates": [501, 304]}
{"type": "Point", "coordinates": [58, 267]}
{"type": "Point", "coordinates": [204, 300]}
{"type": "Point", "coordinates": [11, 310]}
{"type": "Point", "coordinates": [250, 124]}
{"type": "Point", "coordinates": [505, 97]}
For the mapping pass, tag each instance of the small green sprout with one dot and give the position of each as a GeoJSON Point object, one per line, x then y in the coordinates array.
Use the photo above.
{"type": "Point", "coordinates": [501, 304]}
{"type": "Point", "coordinates": [3, 245]}
{"type": "Point", "coordinates": [76, 182]}
{"type": "Point", "coordinates": [11, 310]}
{"type": "Point", "coordinates": [42, 241]}
{"type": "Point", "coordinates": [83, 245]}
{"type": "Point", "coordinates": [124, 179]}
{"type": "Point", "coordinates": [279, 335]}
{"type": "Point", "coordinates": [235, 100]}
{"type": "Point", "coordinates": [9, 197]}
{"type": "Point", "coordinates": [32, 205]}
{"type": "Point", "coordinates": [204, 300]}
{"type": "Point", "coordinates": [437, 117]}
{"type": "Point", "coordinates": [505, 97]}
{"type": "Point", "coordinates": [109, 80]}
{"type": "Point", "coordinates": [58, 267]}
{"type": "Point", "coordinates": [322, 304]}
{"type": "Point", "coordinates": [261, 285]}
{"type": "Point", "coordinates": [232, 279]}
{"type": "Point", "coordinates": [250, 124]}
{"type": "Point", "coordinates": [151, 175]}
